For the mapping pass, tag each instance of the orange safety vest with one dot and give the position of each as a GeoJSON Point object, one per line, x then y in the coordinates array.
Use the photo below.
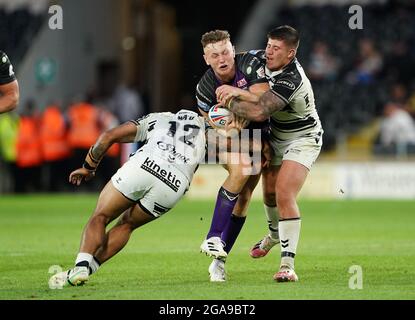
{"type": "Point", "coordinates": [84, 129]}
{"type": "Point", "coordinates": [28, 143]}
{"type": "Point", "coordinates": [53, 135]}
{"type": "Point", "coordinates": [108, 120]}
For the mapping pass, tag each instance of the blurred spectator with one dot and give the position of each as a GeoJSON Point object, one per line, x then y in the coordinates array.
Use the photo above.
{"type": "Point", "coordinates": [29, 156]}
{"type": "Point", "coordinates": [323, 65]}
{"type": "Point", "coordinates": [369, 63]}
{"type": "Point", "coordinates": [399, 64]}
{"type": "Point", "coordinates": [84, 130]}
{"type": "Point", "coordinates": [398, 94]}
{"type": "Point", "coordinates": [111, 162]}
{"type": "Point", "coordinates": [397, 131]}
{"type": "Point", "coordinates": [125, 103]}
{"type": "Point", "coordinates": [55, 148]}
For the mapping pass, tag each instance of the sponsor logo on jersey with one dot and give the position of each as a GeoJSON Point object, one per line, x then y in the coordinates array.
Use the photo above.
{"type": "Point", "coordinates": [165, 176]}
{"type": "Point", "coordinates": [241, 83]}
{"type": "Point", "coordinates": [171, 150]}
{"type": "Point", "coordinates": [286, 83]}
{"type": "Point", "coordinates": [261, 72]}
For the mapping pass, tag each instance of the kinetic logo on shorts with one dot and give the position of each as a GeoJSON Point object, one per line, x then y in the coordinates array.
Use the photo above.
{"type": "Point", "coordinates": [165, 176]}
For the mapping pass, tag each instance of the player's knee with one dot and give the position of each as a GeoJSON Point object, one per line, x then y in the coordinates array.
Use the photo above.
{"type": "Point", "coordinates": [128, 222]}
{"type": "Point", "coordinates": [99, 218]}
{"type": "Point", "coordinates": [237, 177]}
{"type": "Point", "coordinates": [285, 199]}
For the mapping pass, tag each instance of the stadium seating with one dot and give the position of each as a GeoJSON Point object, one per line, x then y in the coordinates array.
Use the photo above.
{"type": "Point", "coordinates": [343, 106]}
{"type": "Point", "coordinates": [17, 29]}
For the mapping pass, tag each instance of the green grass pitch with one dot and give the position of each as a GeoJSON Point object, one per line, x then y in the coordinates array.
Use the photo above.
{"type": "Point", "coordinates": [162, 260]}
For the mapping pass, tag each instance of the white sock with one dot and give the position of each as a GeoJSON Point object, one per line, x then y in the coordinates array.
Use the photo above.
{"type": "Point", "coordinates": [82, 256]}
{"type": "Point", "coordinates": [94, 265]}
{"type": "Point", "coordinates": [289, 235]}
{"type": "Point", "coordinates": [273, 221]}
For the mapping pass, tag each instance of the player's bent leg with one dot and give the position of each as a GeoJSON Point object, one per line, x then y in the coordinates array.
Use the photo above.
{"type": "Point", "coordinates": [263, 246]}
{"type": "Point", "coordinates": [226, 200]}
{"type": "Point", "coordinates": [238, 175]}
{"type": "Point", "coordinates": [238, 217]}
{"type": "Point", "coordinates": [269, 179]}
{"type": "Point", "coordinates": [245, 196]}
{"type": "Point", "coordinates": [291, 178]}
{"type": "Point", "coordinates": [118, 236]}
{"type": "Point", "coordinates": [111, 203]}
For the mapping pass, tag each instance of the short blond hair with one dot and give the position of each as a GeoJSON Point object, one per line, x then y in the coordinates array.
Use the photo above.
{"type": "Point", "coordinates": [215, 36]}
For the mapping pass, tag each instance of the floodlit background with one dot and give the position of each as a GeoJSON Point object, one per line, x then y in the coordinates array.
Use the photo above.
{"type": "Point", "coordinates": [132, 57]}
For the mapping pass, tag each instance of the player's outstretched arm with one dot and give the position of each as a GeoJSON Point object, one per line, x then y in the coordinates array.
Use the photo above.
{"type": "Point", "coordinates": [124, 133]}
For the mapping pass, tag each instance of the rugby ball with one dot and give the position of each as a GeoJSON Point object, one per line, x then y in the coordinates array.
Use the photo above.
{"type": "Point", "coordinates": [219, 116]}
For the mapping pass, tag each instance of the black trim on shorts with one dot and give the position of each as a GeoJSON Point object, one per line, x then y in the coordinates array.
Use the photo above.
{"type": "Point", "coordinates": [145, 209]}
{"type": "Point", "coordinates": [139, 204]}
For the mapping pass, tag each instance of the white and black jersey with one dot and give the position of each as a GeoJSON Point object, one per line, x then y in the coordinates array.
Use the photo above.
{"type": "Point", "coordinates": [6, 69]}
{"type": "Point", "coordinates": [299, 117]}
{"type": "Point", "coordinates": [176, 139]}
{"type": "Point", "coordinates": [249, 71]}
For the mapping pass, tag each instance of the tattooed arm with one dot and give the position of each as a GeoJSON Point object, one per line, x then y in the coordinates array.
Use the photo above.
{"type": "Point", "coordinates": [268, 104]}
{"type": "Point", "coordinates": [124, 133]}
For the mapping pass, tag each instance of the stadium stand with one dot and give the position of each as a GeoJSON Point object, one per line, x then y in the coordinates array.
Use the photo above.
{"type": "Point", "coordinates": [17, 28]}
{"type": "Point", "coordinates": [349, 102]}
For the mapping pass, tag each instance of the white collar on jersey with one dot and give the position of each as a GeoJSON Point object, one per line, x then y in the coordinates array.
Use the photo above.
{"type": "Point", "coordinates": [272, 74]}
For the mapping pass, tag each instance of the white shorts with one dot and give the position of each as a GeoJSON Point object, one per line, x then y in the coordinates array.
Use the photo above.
{"type": "Point", "coordinates": [151, 182]}
{"type": "Point", "coordinates": [304, 150]}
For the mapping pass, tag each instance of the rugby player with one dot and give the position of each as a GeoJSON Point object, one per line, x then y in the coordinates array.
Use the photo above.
{"type": "Point", "coordinates": [147, 186]}
{"type": "Point", "coordinates": [296, 137]}
{"type": "Point", "coordinates": [9, 87]}
{"type": "Point", "coordinates": [243, 71]}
